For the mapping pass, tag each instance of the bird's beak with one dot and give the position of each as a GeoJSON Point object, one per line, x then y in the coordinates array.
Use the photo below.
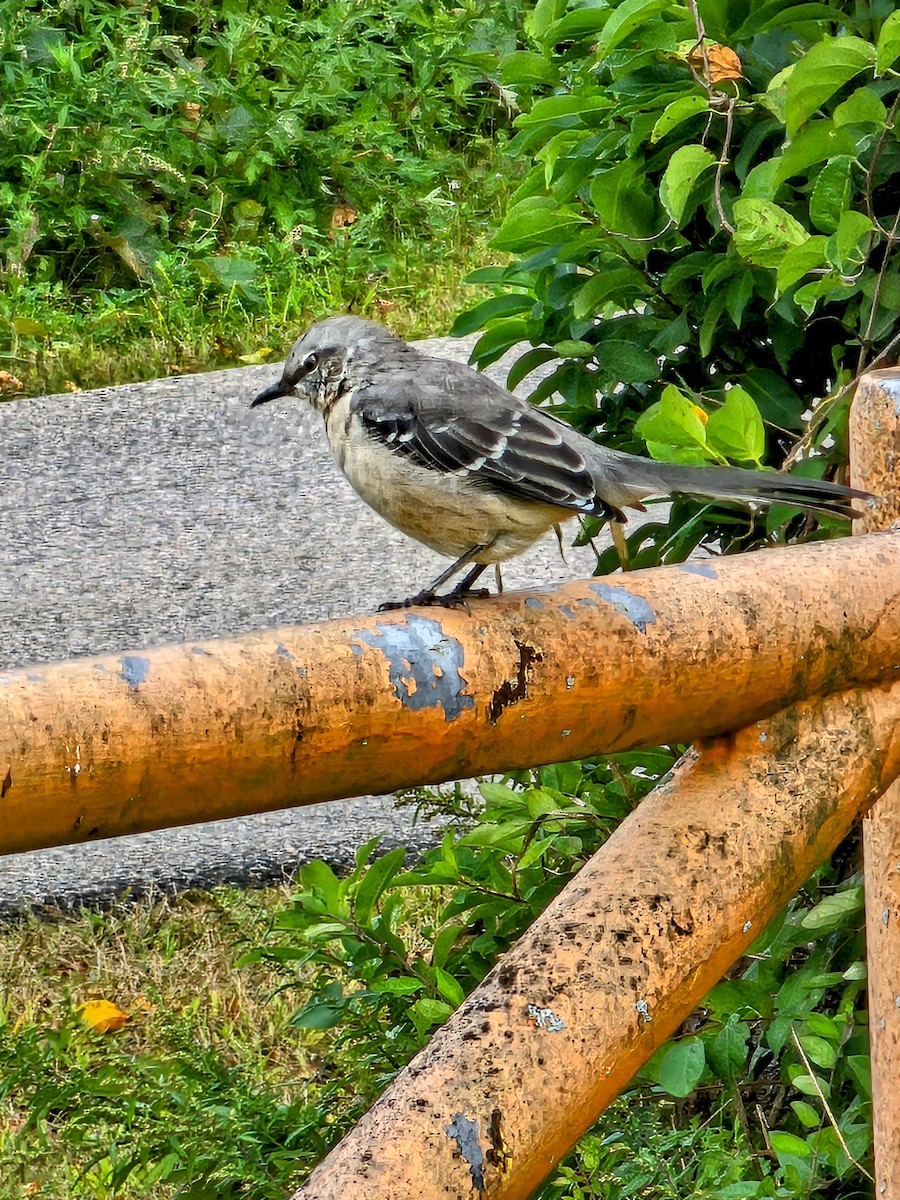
{"type": "Point", "coordinates": [271, 393]}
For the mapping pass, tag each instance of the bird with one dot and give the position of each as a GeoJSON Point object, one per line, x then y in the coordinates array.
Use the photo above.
{"type": "Point", "coordinates": [465, 466]}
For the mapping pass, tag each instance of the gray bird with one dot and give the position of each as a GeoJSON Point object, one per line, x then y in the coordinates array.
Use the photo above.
{"type": "Point", "coordinates": [460, 463]}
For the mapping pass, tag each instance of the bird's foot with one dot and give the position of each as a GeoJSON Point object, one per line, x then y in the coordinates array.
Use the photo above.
{"type": "Point", "coordinates": [458, 598]}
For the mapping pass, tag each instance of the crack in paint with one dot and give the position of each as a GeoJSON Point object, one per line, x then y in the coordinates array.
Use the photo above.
{"type": "Point", "coordinates": [7, 783]}
{"type": "Point", "coordinates": [511, 691]}
{"type": "Point", "coordinates": [424, 663]}
{"type": "Point", "coordinates": [635, 608]}
{"type": "Point", "coordinates": [465, 1133]}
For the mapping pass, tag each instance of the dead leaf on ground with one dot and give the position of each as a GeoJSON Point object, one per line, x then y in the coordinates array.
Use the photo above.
{"type": "Point", "coordinates": [343, 215]}
{"type": "Point", "coordinates": [102, 1015]}
{"type": "Point", "coordinates": [722, 61]}
{"type": "Point", "coordinates": [9, 383]}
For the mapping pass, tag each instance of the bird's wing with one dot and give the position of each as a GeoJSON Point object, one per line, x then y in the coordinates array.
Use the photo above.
{"type": "Point", "coordinates": [452, 420]}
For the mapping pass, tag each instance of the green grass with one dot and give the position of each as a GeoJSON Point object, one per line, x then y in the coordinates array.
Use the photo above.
{"type": "Point", "coordinates": [124, 335]}
{"type": "Point", "coordinates": [185, 186]}
{"type": "Point", "coordinates": [206, 1078]}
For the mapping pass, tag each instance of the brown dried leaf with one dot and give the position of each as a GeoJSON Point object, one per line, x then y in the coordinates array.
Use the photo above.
{"type": "Point", "coordinates": [723, 62]}
{"type": "Point", "coordinates": [343, 215]}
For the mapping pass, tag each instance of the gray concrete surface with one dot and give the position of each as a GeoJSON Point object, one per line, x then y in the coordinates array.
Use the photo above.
{"type": "Point", "coordinates": [168, 511]}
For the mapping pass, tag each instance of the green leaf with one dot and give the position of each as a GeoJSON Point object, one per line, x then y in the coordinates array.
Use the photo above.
{"type": "Point", "coordinates": [817, 143]}
{"type": "Point", "coordinates": [528, 362]}
{"type": "Point", "coordinates": [673, 420]}
{"type": "Point", "coordinates": [806, 1114]}
{"type": "Point", "coordinates": [621, 200]}
{"type": "Point", "coordinates": [618, 284]}
{"type": "Point", "coordinates": [764, 231]}
{"type": "Point", "coordinates": [426, 1012]}
{"type": "Point", "coordinates": [316, 1015]}
{"type": "Point", "coordinates": [570, 348]}
{"type": "Point", "coordinates": [776, 400]}
{"type": "Point", "coordinates": [727, 1051]}
{"type": "Point", "coordinates": [502, 336]}
{"type": "Point", "coordinates": [527, 67]}
{"type": "Point", "coordinates": [537, 221]}
{"type": "Point", "coordinates": [683, 170]}
{"type": "Point", "coordinates": [488, 310]}
{"type": "Point", "coordinates": [620, 361]}
{"type": "Point", "coordinates": [788, 1144]}
{"type": "Point", "coordinates": [831, 194]}
{"type": "Point", "coordinates": [448, 987]}
{"type": "Point", "coordinates": [681, 1067]}
{"type": "Point", "coordinates": [625, 19]}
{"type": "Point", "coordinates": [736, 429]}
{"type": "Point", "coordinates": [822, 71]}
{"type": "Point", "coordinates": [863, 107]}
{"type": "Point", "coordinates": [542, 16]}
{"type": "Point", "coordinates": [405, 985]}
{"type": "Point", "coordinates": [835, 912]}
{"type": "Point", "coordinates": [818, 1050]}
{"type": "Point", "coordinates": [552, 109]}
{"type": "Point", "coordinates": [800, 260]}
{"type": "Point", "coordinates": [678, 111]}
{"type": "Point", "coordinates": [888, 49]}
{"type": "Point", "coordinates": [848, 246]}
{"type": "Point", "coordinates": [374, 882]}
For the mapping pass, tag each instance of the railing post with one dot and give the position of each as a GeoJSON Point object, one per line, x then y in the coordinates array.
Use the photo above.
{"type": "Point", "coordinates": [875, 466]}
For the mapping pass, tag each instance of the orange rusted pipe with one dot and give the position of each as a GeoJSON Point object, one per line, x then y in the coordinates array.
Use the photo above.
{"type": "Point", "coordinates": [118, 744]}
{"type": "Point", "coordinates": [620, 957]}
{"type": "Point", "coordinates": [875, 465]}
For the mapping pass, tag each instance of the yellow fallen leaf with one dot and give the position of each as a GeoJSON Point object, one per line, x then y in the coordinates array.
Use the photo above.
{"type": "Point", "coordinates": [255, 356]}
{"type": "Point", "coordinates": [102, 1015]}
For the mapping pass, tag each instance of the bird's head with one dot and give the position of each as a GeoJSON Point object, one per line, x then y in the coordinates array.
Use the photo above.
{"type": "Point", "coordinates": [322, 360]}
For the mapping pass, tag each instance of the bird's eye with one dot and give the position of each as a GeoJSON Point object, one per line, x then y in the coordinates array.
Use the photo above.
{"type": "Point", "coordinates": [311, 362]}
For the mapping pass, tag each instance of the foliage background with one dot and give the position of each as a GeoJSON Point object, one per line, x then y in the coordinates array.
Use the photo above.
{"type": "Point", "coordinates": [184, 184]}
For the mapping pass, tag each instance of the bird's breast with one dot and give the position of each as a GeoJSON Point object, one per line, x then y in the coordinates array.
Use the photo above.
{"type": "Point", "coordinates": [449, 513]}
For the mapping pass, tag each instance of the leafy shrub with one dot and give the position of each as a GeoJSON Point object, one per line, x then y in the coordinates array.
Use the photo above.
{"type": "Point", "coordinates": [766, 1092]}
{"type": "Point", "coordinates": [736, 235]}
{"type": "Point", "coordinates": [284, 156]}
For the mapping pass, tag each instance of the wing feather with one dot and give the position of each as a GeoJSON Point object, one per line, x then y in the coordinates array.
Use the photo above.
{"type": "Point", "coordinates": [468, 426]}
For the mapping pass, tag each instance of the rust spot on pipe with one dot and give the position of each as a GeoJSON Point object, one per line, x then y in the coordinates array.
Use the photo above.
{"type": "Point", "coordinates": [134, 670]}
{"type": "Point", "coordinates": [499, 1155]}
{"type": "Point", "coordinates": [511, 691]}
{"type": "Point", "coordinates": [465, 1133]}
{"type": "Point", "coordinates": [636, 608]}
{"type": "Point", "coordinates": [424, 663]}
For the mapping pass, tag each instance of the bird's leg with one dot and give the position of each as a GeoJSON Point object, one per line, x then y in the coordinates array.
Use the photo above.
{"type": "Point", "coordinates": [617, 530]}
{"type": "Point", "coordinates": [459, 594]}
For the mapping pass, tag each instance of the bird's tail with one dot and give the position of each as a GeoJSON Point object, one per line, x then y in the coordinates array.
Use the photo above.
{"type": "Point", "coordinates": [643, 477]}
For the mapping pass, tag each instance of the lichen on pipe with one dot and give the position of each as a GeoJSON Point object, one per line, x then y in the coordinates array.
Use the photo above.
{"type": "Point", "coordinates": [122, 743]}
{"type": "Point", "coordinates": [620, 957]}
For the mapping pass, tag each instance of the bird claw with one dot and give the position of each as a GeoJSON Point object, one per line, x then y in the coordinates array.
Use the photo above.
{"type": "Point", "coordinates": [455, 599]}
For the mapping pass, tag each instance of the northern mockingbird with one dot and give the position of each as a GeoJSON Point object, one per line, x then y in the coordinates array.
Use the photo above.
{"type": "Point", "coordinates": [460, 463]}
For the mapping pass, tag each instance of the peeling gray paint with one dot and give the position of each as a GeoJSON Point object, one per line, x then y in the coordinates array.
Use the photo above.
{"type": "Point", "coordinates": [134, 670]}
{"type": "Point", "coordinates": [283, 652]}
{"type": "Point", "coordinates": [424, 663]}
{"type": "Point", "coordinates": [534, 602]}
{"type": "Point", "coordinates": [465, 1133]}
{"type": "Point", "coordinates": [546, 1018]}
{"type": "Point", "coordinates": [34, 678]}
{"type": "Point", "coordinates": [635, 608]}
{"type": "Point", "coordinates": [198, 650]}
{"type": "Point", "coordinates": [698, 568]}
